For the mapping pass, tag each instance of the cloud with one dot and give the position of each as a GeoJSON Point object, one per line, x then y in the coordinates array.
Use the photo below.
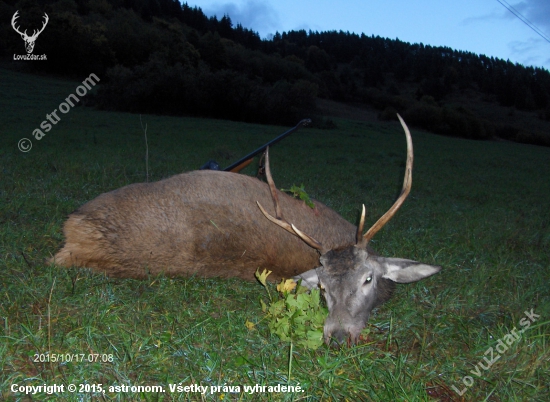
{"type": "Point", "coordinates": [482, 18]}
{"type": "Point", "coordinates": [536, 12]}
{"type": "Point", "coordinates": [525, 47]}
{"type": "Point", "coordinates": [529, 51]}
{"type": "Point", "coordinates": [526, 52]}
{"type": "Point", "coordinates": [257, 15]}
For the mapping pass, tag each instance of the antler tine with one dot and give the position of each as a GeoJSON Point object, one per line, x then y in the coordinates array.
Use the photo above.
{"type": "Point", "coordinates": [272, 187]}
{"type": "Point", "coordinates": [407, 183]}
{"type": "Point", "coordinates": [13, 21]}
{"type": "Point", "coordinates": [361, 224]}
{"type": "Point", "coordinates": [36, 32]}
{"type": "Point", "coordinates": [46, 18]}
{"type": "Point", "coordinates": [279, 220]}
{"type": "Point", "coordinates": [308, 239]}
{"type": "Point", "coordinates": [292, 229]}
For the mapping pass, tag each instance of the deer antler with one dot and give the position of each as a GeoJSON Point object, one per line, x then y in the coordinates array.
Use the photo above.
{"type": "Point", "coordinates": [360, 227]}
{"type": "Point", "coordinates": [407, 183]}
{"type": "Point", "coordinates": [272, 187]}
{"type": "Point", "coordinates": [43, 25]}
{"type": "Point", "coordinates": [15, 16]}
{"type": "Point", "coordinates": [279, 220]}
{"type": "Point", "coordinates": [24, 34]}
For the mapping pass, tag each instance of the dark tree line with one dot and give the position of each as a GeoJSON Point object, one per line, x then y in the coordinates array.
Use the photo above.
{"type": "Point", "coordinates": [439, 69]}
{"type": "Point", "coordinates": [160, 56]}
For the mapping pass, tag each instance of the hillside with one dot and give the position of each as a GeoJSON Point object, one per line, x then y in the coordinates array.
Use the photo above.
{"type": "Point", "coordinates": [161, 57]}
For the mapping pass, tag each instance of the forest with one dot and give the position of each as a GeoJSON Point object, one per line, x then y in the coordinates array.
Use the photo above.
{"type": "Point", "coordinates": [164, 57]}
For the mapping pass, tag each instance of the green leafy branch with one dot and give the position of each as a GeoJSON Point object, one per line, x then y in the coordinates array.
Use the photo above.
{"type": "Point", "coordinates": [296, 315]}
{"type": "Point", "coordinates": [300, 192]}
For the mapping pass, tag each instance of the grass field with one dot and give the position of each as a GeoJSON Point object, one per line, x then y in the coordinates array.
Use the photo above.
{"type": "Point", "coordinates": [479, 209]}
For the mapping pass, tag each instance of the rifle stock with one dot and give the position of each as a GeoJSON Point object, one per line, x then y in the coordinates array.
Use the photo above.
{"type": "Point", "coordinates": [240, 167]}
{"type": "Point", "coordinates": [247, 160]}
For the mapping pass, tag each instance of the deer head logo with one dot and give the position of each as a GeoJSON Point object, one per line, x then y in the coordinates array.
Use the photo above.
{"type": "Point", "coordinates": [29, 40]}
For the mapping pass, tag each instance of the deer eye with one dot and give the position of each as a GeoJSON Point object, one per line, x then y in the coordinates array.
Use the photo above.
{"type": "Point", "coordinates": [321, 286]}
{"type": "Point", "coordinates": [368, 280]}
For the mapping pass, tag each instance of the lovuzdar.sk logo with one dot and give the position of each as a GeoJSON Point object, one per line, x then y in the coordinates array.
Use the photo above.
{"type": "Point", "coordinates": [29, 39]}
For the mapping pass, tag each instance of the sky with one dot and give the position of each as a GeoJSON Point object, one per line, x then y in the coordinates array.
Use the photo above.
{"type": "Point", "coordinates": [478, 26]}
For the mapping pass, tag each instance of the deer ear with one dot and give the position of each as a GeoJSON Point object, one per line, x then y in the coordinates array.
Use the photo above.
{"type": "Point", "coordinates": [309, 278]}
{"type": "Point", "coordinates": [406, 271]}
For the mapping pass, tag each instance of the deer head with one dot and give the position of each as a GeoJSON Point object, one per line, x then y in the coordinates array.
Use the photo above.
{"type": "Point", "coordinates": [353, 279]}
{"type": "Point", "coordinates": [29, 40]}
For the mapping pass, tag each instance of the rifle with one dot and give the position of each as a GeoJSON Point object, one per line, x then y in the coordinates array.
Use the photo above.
{"type": "Point", "coordinates": [247, 160]}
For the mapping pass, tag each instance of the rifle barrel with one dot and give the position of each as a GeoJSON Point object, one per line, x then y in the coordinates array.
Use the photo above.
{"type": "Point", "coordinates": [252, 154]}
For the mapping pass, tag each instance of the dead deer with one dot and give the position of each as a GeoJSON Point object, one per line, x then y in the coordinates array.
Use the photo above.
{"type": "Point", "coordinates": [213, 224]}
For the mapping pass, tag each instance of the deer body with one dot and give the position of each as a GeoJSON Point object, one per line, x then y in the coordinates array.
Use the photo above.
{"type": "Point", "coordinates": [203, 222]}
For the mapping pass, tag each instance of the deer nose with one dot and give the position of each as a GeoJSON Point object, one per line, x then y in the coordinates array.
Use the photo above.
{"type": "Point", "coordinates": [339, 338]}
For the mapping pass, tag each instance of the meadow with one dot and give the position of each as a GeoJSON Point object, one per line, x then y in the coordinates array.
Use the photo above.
{"type": "Point", "coordinates": [478, 209]}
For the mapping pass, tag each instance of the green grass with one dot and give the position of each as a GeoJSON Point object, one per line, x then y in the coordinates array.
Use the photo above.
{"type": "Point", "coordinates": [479, 209]}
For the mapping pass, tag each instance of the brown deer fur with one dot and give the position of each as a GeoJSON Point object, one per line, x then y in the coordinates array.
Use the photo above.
{"type": "Point", "coordinates": [202, 222]}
